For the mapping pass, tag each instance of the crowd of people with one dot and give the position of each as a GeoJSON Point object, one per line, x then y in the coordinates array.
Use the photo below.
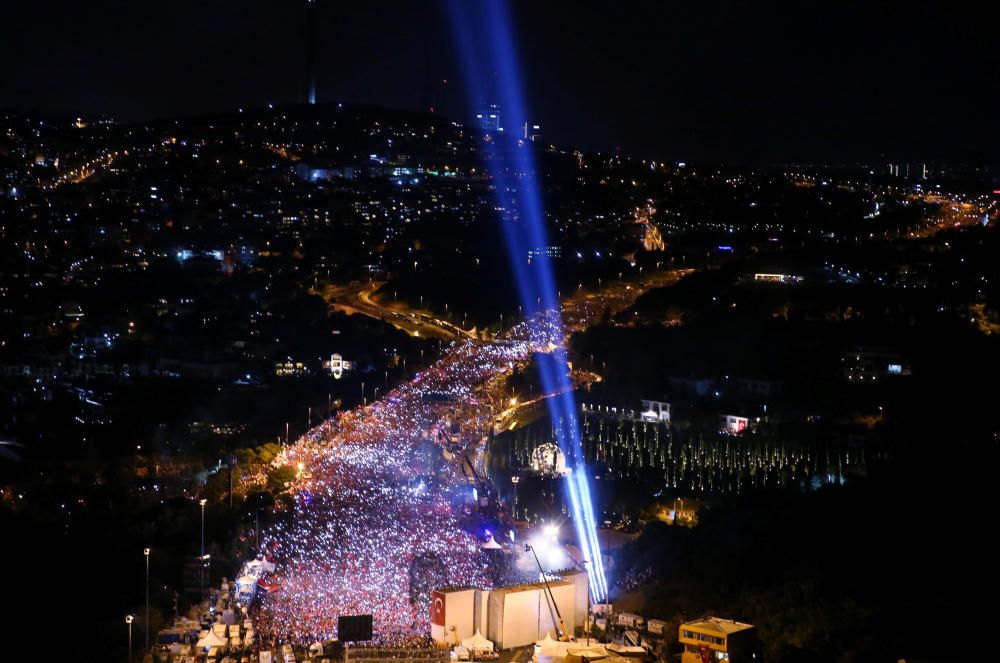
{"type": "Point", "coordinates": [634, 578]}
{"type": "Point", "coordinates": [371, 533]}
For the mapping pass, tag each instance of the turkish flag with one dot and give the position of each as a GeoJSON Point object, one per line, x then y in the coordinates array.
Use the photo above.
{"type": "Point", "coordinates": [437, 608]}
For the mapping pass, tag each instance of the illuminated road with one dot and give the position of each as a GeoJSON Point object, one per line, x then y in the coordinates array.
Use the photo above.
{"type": "Point", "coordinates": [85, 170]}
{"type": "Point", "coordinates": [580, 309]}
{"type": "Point", "coordinates": [357, 298]}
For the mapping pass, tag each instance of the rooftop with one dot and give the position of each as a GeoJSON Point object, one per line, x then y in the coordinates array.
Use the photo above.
{"type": "Point", "coordinates": [718, 624]}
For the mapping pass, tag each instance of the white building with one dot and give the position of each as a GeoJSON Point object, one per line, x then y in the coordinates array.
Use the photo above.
{"type": "Point", "coordinates": [655, 411]}
{"type": "Point", "coordinates": [733, 423]}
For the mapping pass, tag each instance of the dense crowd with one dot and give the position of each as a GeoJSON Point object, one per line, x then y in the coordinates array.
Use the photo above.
{"type": "Point", "coordinates": [634, 578]}
{"type": "Point", "coordinates": [371, 532]}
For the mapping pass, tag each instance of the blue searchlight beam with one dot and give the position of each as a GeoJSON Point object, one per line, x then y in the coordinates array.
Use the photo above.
{"type": "Point", "coordinates": [485, 41]}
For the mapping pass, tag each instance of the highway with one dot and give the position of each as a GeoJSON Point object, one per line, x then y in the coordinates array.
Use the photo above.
{"type": "Point", "coordinates": [580, 309]}
{"type": "Point", "coordinates": [357, 298]}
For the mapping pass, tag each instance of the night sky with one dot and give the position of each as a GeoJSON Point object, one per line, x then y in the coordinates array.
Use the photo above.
{"type": "Point", "coordinates": [707, 81]}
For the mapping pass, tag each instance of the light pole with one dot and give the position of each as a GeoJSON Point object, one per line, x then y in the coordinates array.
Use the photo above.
{"type": "Point", "coordinates": [515, 480]}
{"type": "Point", "coordinates": [145, 552]}
{"type": "Point", "coordinates": [203, 502]}
{"type": "Point", "coordinates": [128, 620]}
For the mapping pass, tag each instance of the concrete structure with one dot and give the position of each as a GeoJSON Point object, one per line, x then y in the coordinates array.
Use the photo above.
{"type": "Point", "coordinates": [656, 626]}
{"type": "Point", "coordinates": [864, 365]}
{"type": "Point", "coordinates": [655, 411]}
{"type": "Point", "coordinates": [480, 610]}
{"type": "Point", "coordinates": [716, 639]}
{"type": "Point", "coordinates": [453, 615]}
{"type": "Point", "coordinates": [511, 616]}
{"type": "Point", "coordinates": [315, 172]}
{"type": "Point", "coordinates": [733, 423]}
{"type": "Point", "coordinates": [518, 616]}
{"type": "Point", "coordinates": [489, 119]}
{"type": "Point", "coordinates": [778, 278]}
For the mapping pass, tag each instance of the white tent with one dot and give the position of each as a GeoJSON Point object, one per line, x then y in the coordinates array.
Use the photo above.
{"type": "Point", "coordinates": [548, 646]}
{"type": "Point", "coordinates": [492, 544]}
{"type": "Point", "coordinates": [212, 639]}
{"type": "Point", "coordinates": [477, 643]}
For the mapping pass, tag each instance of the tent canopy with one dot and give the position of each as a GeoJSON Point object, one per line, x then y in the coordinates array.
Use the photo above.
{"type": "Point", "coordinates": [491, 544]}
{"type": "Point", "coordinates": [212, 639]}
{"type": "Point", "coordinates": [477, 643]}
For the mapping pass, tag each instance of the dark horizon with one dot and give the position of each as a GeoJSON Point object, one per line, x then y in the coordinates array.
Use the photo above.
{"type": "Point", "coordinates": [731, 83]}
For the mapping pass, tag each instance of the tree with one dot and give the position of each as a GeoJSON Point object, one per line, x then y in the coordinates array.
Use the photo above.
{"type": "Point", "coordinates": [279, 477]}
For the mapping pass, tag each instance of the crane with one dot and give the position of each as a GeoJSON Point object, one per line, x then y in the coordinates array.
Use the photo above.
{"type": "Point", "coordinates": [550, 599]}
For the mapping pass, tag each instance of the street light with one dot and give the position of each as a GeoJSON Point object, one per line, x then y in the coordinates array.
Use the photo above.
{"type": "Point", "coordinates": [515, 480]}
{"type": "Point", "coordinates": [145, 552]}
{"type": "Point", "coordinates": [128, 620]}
{"type": "Point", "coordinates": [203, 502]}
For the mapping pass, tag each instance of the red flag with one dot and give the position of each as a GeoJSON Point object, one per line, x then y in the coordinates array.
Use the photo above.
{"type": "Point", "coordinates": [437, 608]}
